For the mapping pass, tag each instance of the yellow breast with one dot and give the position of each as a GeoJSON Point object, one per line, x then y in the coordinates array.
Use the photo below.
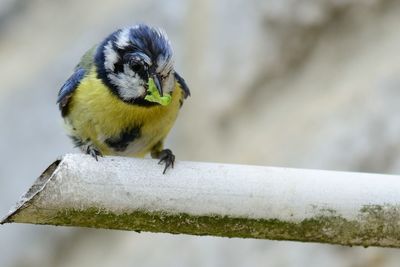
{"type": "Point", "coordinates": [97, 114]}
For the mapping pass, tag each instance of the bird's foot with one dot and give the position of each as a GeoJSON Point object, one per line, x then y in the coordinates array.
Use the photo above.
{"type": "Point", "coordinates": [93, 151]}
{"type": "Point", "coordinates": [166, 156]}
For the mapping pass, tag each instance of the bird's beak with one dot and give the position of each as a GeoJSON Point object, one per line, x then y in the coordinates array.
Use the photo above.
{"type": "Point", "coordinates": [157, 82]}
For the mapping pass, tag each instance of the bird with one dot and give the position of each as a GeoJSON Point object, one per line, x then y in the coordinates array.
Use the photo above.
{"type": "Point", "coordinates": [124, 96]}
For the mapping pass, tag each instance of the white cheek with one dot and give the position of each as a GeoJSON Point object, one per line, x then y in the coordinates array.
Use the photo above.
{"type": "Point", "coordinates": [128, 71]}
{"type": "Point", "coordinates": [169, 84]}
{"type": "Point", "coordinates": [129, 94]}
{"type": "Point", "coordinates": [129, 84]}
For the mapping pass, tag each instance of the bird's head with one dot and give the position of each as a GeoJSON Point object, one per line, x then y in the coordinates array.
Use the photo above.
{"type": "Point", "coordinates": [128, 58]}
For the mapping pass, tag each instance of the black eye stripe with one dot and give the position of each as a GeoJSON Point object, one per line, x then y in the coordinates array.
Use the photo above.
{"type": "Point", "coordinates": [143, 75]}
{"type": "Point", "coordinates": [118, 67]}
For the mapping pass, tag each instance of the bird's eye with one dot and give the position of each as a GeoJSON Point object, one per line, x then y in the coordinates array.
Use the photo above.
{"type": "Point", "coordinates": [137, 67]}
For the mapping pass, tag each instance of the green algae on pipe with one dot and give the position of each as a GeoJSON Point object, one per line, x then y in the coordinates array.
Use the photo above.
{"type": "Point", "coordinates": [216, 199]}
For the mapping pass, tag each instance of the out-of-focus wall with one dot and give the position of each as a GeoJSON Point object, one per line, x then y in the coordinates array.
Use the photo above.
{"type": "Point", "coordinates": [296, 83]}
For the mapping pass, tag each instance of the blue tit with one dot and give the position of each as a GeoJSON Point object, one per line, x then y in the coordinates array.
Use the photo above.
{"type": "Point", "coordinates": [124, 96]}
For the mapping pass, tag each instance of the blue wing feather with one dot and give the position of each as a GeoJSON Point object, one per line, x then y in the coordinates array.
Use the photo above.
{"type": "Point", "coordinates": [68, 88]}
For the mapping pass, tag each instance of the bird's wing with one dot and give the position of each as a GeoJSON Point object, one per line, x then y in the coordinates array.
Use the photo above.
{"type": "Point", "coordinates": [183, 85]}
{"type": "Point", "coordinates": [68, 88]}
{"type": "Point", "coordinates": [72, 83]}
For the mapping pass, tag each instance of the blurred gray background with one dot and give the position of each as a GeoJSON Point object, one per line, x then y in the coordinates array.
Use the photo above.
{"type": "Point", "coordinates": [296, 83]}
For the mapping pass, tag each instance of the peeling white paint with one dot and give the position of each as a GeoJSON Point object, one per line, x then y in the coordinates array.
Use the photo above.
{"type": "Point", "coordinates": [119, 185]}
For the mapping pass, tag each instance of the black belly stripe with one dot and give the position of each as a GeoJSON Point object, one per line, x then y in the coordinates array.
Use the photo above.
{"type": "Point", "coordinates": [121, 142]}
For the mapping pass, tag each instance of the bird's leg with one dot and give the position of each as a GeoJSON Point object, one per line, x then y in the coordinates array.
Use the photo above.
{"type": "Point", "coordinates": [91, 150]}
{"type": "Point", "coordinates": [167, 157]}
{"type": "Point", "coordinates": [86, 146]}
{"type": "Point", "coordinates": [164, 155]}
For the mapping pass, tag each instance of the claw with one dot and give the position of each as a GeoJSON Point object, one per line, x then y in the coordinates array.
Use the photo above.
{"type": "Point", "coordinates": [94, 152]}
{"type": "Point", "coordinates": [167, 157]}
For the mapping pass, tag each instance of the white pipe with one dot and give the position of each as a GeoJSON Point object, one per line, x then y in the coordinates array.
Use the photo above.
{"type": "Point", "coordinates": [216, 199]}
